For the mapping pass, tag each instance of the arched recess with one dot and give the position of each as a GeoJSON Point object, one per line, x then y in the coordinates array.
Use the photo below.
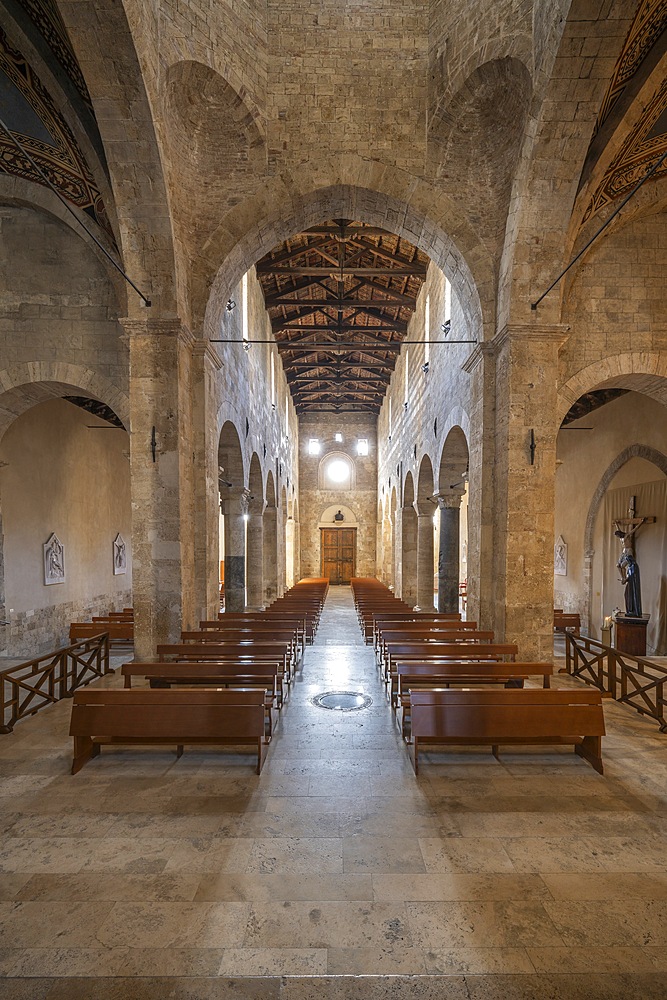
{"type": "Point", "coordinates": [65, 472]}
{"type": "Point", "coordinates": [270, 542]}
{"type": "Point", "coordinates": [641, 371]}
{"type": "Point", "coordinates": [340, 462]}
{"type": "Point", "coordinates": [408, 535]}
{"type": "Point", "coordinates": [327, 517]}
{"type": "Point", "coordinates": [425, 506]}
{"type": "Point", "coordinates": [453, 521]}
{"type": "Point", "coordinates": [483, 123]}
{"type": "Point", "coordinates": [117, 89]}
{"type": "Point", "coordinates": [652, 455]}
{"type": "Point", "coordinates": [283, 564]}
{"type": "Point", "coordinates": [215, 145]}
{"type": "Point", "coordinates": [345, 187]}
{"type": "Point", "coordinates": [23, 385]}
{"type": "Point", "coordinates": [392, 575]}
{"type": "Point", "coordinates": [234, 507]}
{"type": "Point", "coordinates": [255, 535]}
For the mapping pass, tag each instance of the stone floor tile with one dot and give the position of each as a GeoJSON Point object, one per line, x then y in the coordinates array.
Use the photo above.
{"type": "Point", "coordinates": [174, 887]}
{"type": "Point", "coordinates": [309, 855]}
{"type": "Point", "coordinates": [481, 924]}
{"type": "Point", "coordinates": [180, 925]}
{"type": "Point", "coordinates": [437, 887]}
{"type": "Point", "coordinates": [591, 958]}
{"type": "Point", "coordinates": [285, 886]}
{"type": "Point", "coordinates": [70, 924]}
{"type": "Point", "coordinates": [477, 961]}
{"type": "Point", "coordinates": [603, 885]}
{"type": "Point", "coordinates": [326, 924]}
{"type": "Point", "coordinates": [385, 960]}
{"type": "Point", "coordinates": [464, 854]}
{"type": "Point", "coordinates": [273, 962]}
{"type": "Point", "coordinates": [382, 854]}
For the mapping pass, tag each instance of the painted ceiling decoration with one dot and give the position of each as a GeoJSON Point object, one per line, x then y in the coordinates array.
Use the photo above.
{"type": "Point", "coordinates": [30, 113]}
{"type": "Point", "coordinates": [46, 17]}
{"type": "Point", "coordinates": [341, 283]}
{"type": "Point", "coordinates": [641, 149]}
{"type": "Point", "coordinates": [649, 23]}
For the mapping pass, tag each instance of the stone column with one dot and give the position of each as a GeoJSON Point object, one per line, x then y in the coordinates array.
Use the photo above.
{"type": "Point", "coordinates": [526, 401]}
{"type": "Point", "coordinates": [425, 561]}
{"type": "Point", "coordinates": [206, 365]}
{"type": "Point", "coordinates": [408, 556]}
{"type": "Point", "coordinates": [448, 554]}
{"type": "Point", "coordinates": [255, 574]}
{"type": "Point", "coordinates": [235, 509]}
{"type": "Point", "coordinates": [161, 444]}
{"type": "Point", "coordinates": [396, 548]}
{"type": "Point", "coordinates": [270, 554]}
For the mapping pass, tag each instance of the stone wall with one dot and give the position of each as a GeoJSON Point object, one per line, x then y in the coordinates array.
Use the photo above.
{"type": "Point", "coordinates": [317, 495]}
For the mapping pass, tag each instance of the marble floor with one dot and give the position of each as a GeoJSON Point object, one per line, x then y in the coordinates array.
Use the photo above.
{"type": "Point", "coordinates": [145, 876]}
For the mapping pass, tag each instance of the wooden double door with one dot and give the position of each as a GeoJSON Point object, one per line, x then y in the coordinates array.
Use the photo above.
{"type": "Point", "coordinates": [338, 547]}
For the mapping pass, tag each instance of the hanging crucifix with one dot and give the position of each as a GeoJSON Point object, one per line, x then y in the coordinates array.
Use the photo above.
{"type": "Point", "coordinates": [626, 527]}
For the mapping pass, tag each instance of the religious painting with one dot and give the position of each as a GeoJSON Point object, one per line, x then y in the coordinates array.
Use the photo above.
{"type": "Point", "coordinates": [560, 557]}
{"type": "Point", "coordinates": [119, 555]}
{"type": "Point", "coordinates": [54, 561]}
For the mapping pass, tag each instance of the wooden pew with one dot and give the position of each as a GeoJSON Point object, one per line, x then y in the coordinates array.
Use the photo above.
{"type": "Point", "coordinates": [249, 636]}
{"type": "Point", "coordinates": [423, 651]}
{"type": "Point", "coordinates": [146, 716]}
{"type": "Point", "coordinates": [429, 637]}
{"type": "Point", "coordinates": [268, 676]}
{"type": "Point", "coordinates": [120, 632]}
{"type": "Point", "coordinates": [509, 717]}
{"type": "Point", "coordinates": [445, 672]}
{"type": "Point", "coordinates": [235, 652]}
{"type": "Point", "coordinates": [567, 622]}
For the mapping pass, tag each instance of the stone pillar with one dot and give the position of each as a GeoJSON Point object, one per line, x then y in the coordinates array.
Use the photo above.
{"type": "Point", "coordinates": [255, 574]}
{"type": "Point", "coordinates": [425, 561]}
{"type": "Point", "coordinates": [206, 364]}
{"type": "Point", "coordinates": [396, 548]}
{"type": "Point", "coordinates": [161, 469]}
{"type": "Point", "coordinates": [408, 556]}
{"type": "Point", "coordinates": [235, 508]}
{"type": "Point", "coordinates": [448, 554]}
{"type": "Point", "coordinates": [526, 401]}
{"type": "Point", "coordinates": [270, 554]}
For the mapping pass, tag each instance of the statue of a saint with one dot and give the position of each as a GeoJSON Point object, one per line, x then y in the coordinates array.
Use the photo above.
{"type": "Point", "coordinates": [627, 564]}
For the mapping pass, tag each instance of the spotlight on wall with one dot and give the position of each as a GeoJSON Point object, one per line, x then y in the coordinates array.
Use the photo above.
{"type": "Point", "coordinates": [446, 327]}
{"type": "Point", "coordinates": [246, 346]}
{"type": "Point", "coordinates": [425, 367]}
{"type": "Point", "coordinates": [231, 305]}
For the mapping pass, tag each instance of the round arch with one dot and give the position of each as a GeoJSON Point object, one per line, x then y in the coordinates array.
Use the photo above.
{"type": "Point", "coordinates": [640, 371]}
{"type": "Point", "coordinates": [33, 382]}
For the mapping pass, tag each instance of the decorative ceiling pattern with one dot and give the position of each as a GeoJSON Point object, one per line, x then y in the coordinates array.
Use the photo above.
{"type": "Point", "coordinates": [642, 148]}
{"type": "Point", "coordinates": [31, 115]}
{"type": "Point", "coordinates": [46, 17]}
{"type": "Point", "coordinates": [648, 139]}
{"type": "Point", "coordinates": [340, 297]}
{"type": "Point", "coordinates": [648, 24]}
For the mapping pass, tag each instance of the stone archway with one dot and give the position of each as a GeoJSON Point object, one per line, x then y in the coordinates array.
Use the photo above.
{"type": "Point", "coordinates": [407, 519]}
{"type": "Point", "coordinates": [658, 459]}
{"type": "Point", "coordinates": [233, 499]}
{"type": "Point", "coordinates": [452, 481]}
{"type": "Point", "coordinates": [270, 542]}
{"type": "Point", "coordinates": [255, 536]}
{"type": "Point", "coordinates": [425, 507]}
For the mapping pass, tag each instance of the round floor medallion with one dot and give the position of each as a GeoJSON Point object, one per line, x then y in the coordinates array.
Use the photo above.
{"type": "Point", "coordinates": [343, 701]}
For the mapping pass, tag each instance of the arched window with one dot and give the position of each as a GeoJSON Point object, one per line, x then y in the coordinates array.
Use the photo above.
{"type": "Point", "coordinates": [337, 472]}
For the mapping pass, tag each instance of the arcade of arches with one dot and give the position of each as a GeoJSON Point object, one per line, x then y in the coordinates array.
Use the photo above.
{"type": "Point", "coordinates": [342, 215]}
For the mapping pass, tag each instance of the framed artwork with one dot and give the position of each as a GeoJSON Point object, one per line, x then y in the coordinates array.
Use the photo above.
{"type": "Point", "coordinates": [560, 557]}
{"type": "Point", "coordinates": [54, 561]}
{"type": "Point", "coordinates": [119, 555]}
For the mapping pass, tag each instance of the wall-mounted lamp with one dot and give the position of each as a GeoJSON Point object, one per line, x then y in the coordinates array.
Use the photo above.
{"type": "Point", "coordinates": [446, 327]}
{"type": "Point", "coordinates": [246, 346]}
{"type": "Point", "coordinates": [425, 367]}
{"type": "Point", "coordinates": [231, 305]}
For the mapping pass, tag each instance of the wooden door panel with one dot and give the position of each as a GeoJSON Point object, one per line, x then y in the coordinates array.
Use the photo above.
{"type": "Point", "coordinates": [338, 548]}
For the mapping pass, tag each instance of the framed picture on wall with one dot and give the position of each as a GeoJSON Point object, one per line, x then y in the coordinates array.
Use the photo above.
{"type": "Point", "coordinates": [54, 561]}
{"type": "Point", "coordinates": [119, 555]}
{"type": "Point", "coordinates": [560, 557]}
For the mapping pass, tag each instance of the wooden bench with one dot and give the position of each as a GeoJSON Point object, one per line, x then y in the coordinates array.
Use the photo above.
{"type": "Point", "coordinates": [493, 718]}
{"type": "Point", "coordinates": [145, 716]}
{"type": "Point", "coordinates": [268, 676]}
{"type": "Point", "coordinates": [423, 651]}
{"type": "Point", "coordinates": [429, 637]}
{"type": "Point", "coordinates": [445, 672]}
{"type": "Point", "coordinates": [567, 622]}
{"type": "Point", "coordinates": [249, 635]}
{"type": "Point", "coordinates": [120, 631]}
{"type": "Point", "coordinates": [230, 652]}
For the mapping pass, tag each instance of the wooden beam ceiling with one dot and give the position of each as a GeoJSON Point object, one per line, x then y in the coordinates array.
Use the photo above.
{"type": "Point", "coordinates": [340, 297]}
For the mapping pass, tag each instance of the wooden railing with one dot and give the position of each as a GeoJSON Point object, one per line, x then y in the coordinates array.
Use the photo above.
{"type": "Point", "coordinates": [631, 680]}
{"type": "Point", "coordinates": [30, 686]}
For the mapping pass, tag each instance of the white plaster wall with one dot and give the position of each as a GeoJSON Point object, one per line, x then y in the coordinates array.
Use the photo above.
{"type": "Point", "coordinates": [584, 456]}
{"type": "Point", "coordinates": [60, 476]}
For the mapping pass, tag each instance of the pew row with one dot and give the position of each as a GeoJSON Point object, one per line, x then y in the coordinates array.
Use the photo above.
{"type": "Point", "coordinates": [509, 717]}
{"type": "Point", "coordinates": [149, 717]}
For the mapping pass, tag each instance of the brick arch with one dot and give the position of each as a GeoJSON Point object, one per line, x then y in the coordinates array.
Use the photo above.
{"type": "Point", "coordinates": [652, 455]}
{"type": "Point", "coordinates": [345, 186]}
{"type": "Point", "coordinates": [24, 385]}
{"type": "Point", "coordinates": [640, 371]}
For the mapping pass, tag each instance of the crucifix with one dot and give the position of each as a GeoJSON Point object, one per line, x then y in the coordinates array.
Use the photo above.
{"type": "Point", "coordinates": [626, 528]}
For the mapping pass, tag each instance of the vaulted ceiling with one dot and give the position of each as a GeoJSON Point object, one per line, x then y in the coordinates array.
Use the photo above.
{"type": "Point", "coordinates": [340, 297]}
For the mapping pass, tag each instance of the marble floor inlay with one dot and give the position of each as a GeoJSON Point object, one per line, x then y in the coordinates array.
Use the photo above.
{"type": "Point", "coordinates": [146, 875]}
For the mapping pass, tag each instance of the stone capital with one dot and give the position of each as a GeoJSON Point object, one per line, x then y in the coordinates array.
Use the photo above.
{"type": "Point", "coordinates": [449, 501]}
{"type": "Point", "coordinates": [206, 351]}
